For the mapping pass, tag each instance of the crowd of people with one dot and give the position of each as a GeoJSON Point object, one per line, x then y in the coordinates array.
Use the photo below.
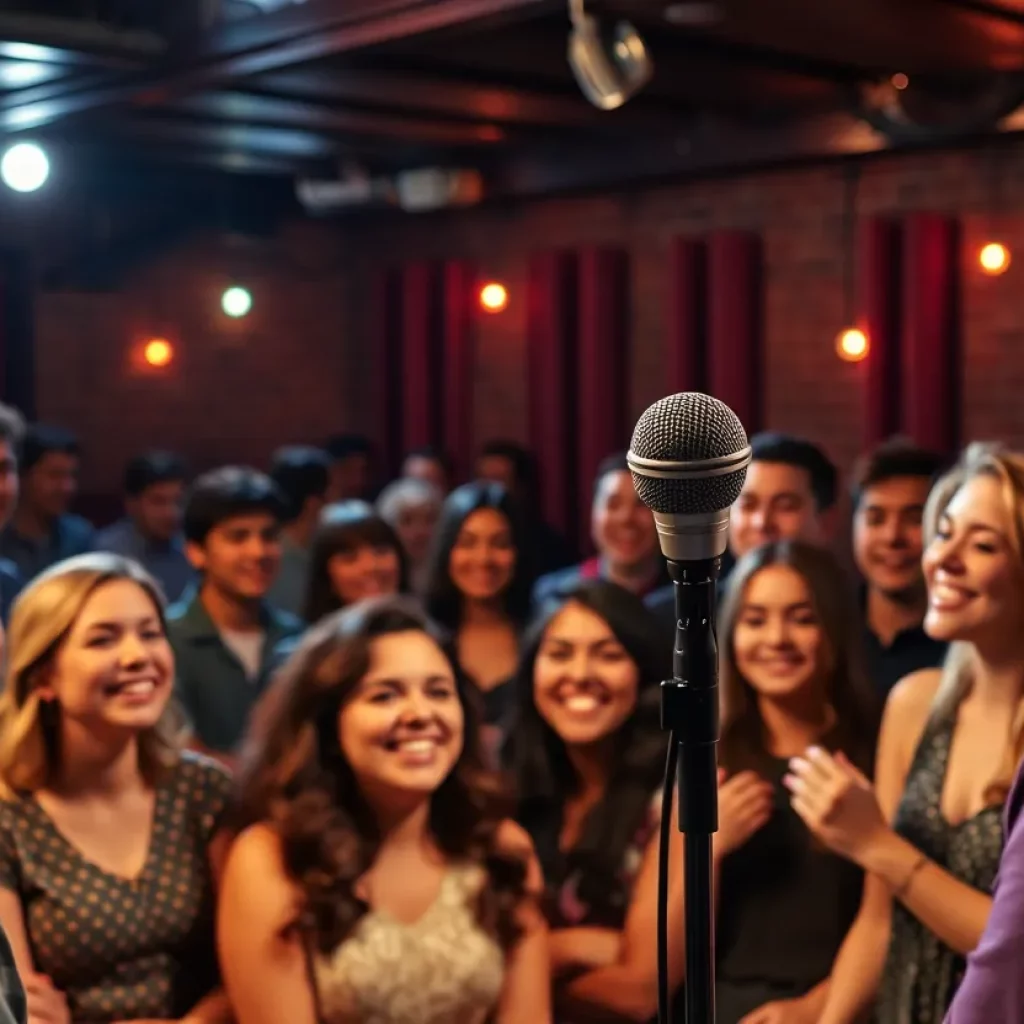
{"type": "Point", "coordinates": [278, 746]}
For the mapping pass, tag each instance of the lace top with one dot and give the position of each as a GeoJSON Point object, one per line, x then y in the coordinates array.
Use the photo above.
{"type": "Point", "coordinates": [441, 969]}
{"type": "Point", "coordinates": [922, 972]}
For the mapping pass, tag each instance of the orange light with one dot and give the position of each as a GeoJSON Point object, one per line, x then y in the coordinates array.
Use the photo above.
{"type": "Point", "coordinates": [994, 258]}
{"type": "Point", "coordinates": [493, 297]}
{"type": "Point", "coordinates": [899, 81]}
{"type": "Point", "coordinates": [852, 345]}
{"type": "Point", "coordinates": [158, 352]}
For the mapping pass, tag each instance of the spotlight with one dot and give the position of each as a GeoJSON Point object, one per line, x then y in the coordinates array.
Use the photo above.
{"type": "Point", "coordinates": [25, 167]}
{"type": "Point", "coordinates": [852, 345]}
{"type": "Point", "coordinates": [994, 258]}
{"type": "Point", "coordinates": [494, 297]}
{"type": "Point", "coordinates": [608, 74]}
{"type": "Point", "coordinates": [236, 302]}
{"type": "Point", "coordinates": [158, 352]}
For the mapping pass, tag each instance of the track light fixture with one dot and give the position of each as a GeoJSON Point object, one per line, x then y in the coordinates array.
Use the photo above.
{"type": "Point", "coordinates": [609, 73]}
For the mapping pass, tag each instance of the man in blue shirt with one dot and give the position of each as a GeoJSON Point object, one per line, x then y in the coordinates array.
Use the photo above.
{"type": "Point", "coordinates": [42, 530]}
{"type": "Point", "coordinates": [154, 486]}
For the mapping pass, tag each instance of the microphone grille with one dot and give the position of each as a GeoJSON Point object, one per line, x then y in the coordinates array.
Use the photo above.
{"type": "Point", "coordinates": [688, 427]}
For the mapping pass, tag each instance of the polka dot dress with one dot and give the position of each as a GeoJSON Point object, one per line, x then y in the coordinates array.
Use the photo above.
{"type": "Point", "coordinates": [123, 949]}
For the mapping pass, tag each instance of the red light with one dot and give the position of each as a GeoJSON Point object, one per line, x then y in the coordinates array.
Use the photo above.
{"type": "Point", "coordinates": [158, 352]}
{"type": "Point", "coordinates": [493, 297]}
{"type": "Point", "coordinates": [852, 345]}
{"type": "Point", "coordinates": [994, 258]}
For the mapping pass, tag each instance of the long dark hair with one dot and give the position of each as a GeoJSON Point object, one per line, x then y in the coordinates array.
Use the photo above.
{"type": "Point", "coordinates": [295, 776]}
{"type": "Point", "coordinates": [544, 775]}
{"type": "Point", "coordinates": [443, 598]}
{"type": "Point", "coordinates": [743, 744]}
{"type": "Point", "coordinates": [343, 527]}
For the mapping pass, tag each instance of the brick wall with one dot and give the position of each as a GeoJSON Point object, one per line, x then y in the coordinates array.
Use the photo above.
{"type": "Point", "coordinates": [800, 216]}
{"type": "Point", "coordinates": [300, 366]}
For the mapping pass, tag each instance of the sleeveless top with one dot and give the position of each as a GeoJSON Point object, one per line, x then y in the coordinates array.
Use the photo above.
{"type": "Point", "coordinates": [441, 969]}
{"type": "Point", "coordinates": [921, 972]}
{"type": "Point", "coordinates": [785, 906]}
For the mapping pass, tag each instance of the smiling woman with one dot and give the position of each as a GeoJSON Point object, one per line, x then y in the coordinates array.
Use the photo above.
{"type": "Point", "coordinates": [368, 818]}
{"type": "Point", "coordinates": [95, 789]}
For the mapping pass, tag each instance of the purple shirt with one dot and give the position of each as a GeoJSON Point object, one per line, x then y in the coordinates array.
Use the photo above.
{"type": "Point", "coordinates": [992, 991]}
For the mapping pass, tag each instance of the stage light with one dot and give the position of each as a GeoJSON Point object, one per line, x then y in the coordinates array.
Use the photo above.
{"type": "Point", "coordinates": [158, 352]}
{"type": "Point", "coordinates": [236, 302]}
{"type": "Point", "coordinates": [852, 345]}
{"type": "Point", "coordinates": [493, 297]}
{"type": "Point", "coordinates": [900, 81]}
{"type": "Point", "coordinates": [994, 258]}
{"type": "Point", "coordinates": [25, 167]}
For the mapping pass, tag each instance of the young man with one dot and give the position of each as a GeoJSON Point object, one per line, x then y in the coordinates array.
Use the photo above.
{"type": "Point", "coordinates": [430, 465]}
{"type": "Point", "coordinates": [352, 467]}
{"type": "Point", "coordinates": [42, 531]}
{"type": "Point", "coordinates": [224, 632]}
{"type": "Point", "coordinates": [624, 534]}
{"type": "Point", "coordinates": [789, 494]}
{"type": "Point", "coordinates": [12, 429]}
{"type": "Point", "coordinates": [150, 533]}
{"type": "Point", "coordinates": [890, 489]}
{"type": "Point", "coordinates": [302, 475]}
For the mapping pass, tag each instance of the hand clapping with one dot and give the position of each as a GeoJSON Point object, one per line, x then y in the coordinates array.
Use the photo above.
{"type": "Point", "coordinates": [745, 803]}
{"type": "Point", "coordinates": [46, 1005]}
{"type": "Point", "coordinates": [836, 802]}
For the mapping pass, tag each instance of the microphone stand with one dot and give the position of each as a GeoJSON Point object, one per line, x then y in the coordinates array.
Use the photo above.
{"type": "Point", "coordinates": [689, 710]}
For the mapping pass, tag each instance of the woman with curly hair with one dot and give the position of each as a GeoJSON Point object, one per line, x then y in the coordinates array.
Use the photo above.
{"type": "Point", "coordinates": [376, 878]}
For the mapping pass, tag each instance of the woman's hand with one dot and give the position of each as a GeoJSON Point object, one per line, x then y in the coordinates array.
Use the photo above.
{"type": "Point", "coordinates": [837, 803]}
{"type": "Point", "coordinates": [46, 1005]}
{"type": "Point", "coordinates": [745, 803]}
{"type": "Point", "coordinates": [783, 1011]}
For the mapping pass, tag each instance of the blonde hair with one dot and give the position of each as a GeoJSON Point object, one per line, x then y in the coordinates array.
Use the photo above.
{"type": "Point", "coordinates": [43, 616]}
{"type": "Point", "coordinates": [993, 460]}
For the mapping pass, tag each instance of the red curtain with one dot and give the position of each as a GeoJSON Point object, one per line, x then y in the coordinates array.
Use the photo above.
{"type": "Point", "coordinates": [551, 381]}
{"type": "Point", "coordinates": [459, 319]}
{"type": "Point", "coordinates": [734, 324]}
{"type": "Point", "coordinates": [421, 366]}
{"type": "Point", "coordinates": [929, 392]}
{"type": "Point", "coordinates": [602, 365]}
{"type": "Point", "coordinates": [687, 315]}
{"type": "Point", "coordinates": [388, 397]}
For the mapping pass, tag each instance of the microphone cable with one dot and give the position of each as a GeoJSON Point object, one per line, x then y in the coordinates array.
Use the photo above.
{"type": "Point", "coordinates": [664, 856]}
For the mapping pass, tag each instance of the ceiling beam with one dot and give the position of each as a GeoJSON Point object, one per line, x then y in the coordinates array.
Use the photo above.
{"type": "Point", "coordinates": [75, 42]}
{"type": "Point", "coordinates": [294, 35]}
{"type": "Point", "coordinates": [434, 93]}
{"type": "Point", "coordinates": [270, 110]}
{"type": "Point", "coordinates": [710, 146]}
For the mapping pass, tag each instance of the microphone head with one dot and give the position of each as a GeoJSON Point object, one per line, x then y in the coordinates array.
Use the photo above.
{"type": "Point", "coordinates": [689, 458]}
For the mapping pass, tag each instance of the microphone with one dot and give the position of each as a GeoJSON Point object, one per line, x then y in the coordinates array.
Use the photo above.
{"type": "Point", "coordinates": [689, 458]}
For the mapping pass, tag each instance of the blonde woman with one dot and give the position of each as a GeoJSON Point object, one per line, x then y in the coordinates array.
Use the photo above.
{"type": "Point", "coordinates": [930, 834]}
{"type": "Point", "coordinates": [108, 832]}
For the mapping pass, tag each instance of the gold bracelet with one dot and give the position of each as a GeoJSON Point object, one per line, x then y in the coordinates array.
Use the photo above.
{"type": "Point", "coordinates": [905, 885]}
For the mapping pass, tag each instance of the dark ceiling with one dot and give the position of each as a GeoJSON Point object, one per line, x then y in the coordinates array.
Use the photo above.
{"type": "Point", "coordinates": [360, 90]}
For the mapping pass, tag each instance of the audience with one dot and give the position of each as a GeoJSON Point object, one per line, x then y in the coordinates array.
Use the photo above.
{"type": "Point", "coordinates": [12, 429]}
{"type": "Point", "coordinates": [412, 509]}
{"type": "Point", "coordinates": [42, 530]}
{"type": "Point", "coordinates": [588, 756]}
{"type": "Point", "coordinates": [351, 467]}
{"type": "Point", "coordinates": [302, 476]}
{"type": "Point", "coordinates": [430, 466]}
{"type": "Point", "coordinates": [478, 588]}
{"type": "Point", "coordinates": [515, 468]}
{"type": "Point", "coordinates": [376, 877]}
{"type": "Point", "coordinates": [624, 534]}
{"type": "Point", "coordinates": [355, 555]}
{"type": "Point", "coordinates": [154, 487]}
{"type": "Point", "coordinates": [792, 676]}
{"type": "Point", "coordinates": [950, 741]}
{"type": "Point", "coordinates": [789, 493]}
{"type": "Point", "coordinates": [110, 835]}
{"type": "Point", "coordinates": [224, 632]}
{"type": "Point", "coordinates": [889, 493]}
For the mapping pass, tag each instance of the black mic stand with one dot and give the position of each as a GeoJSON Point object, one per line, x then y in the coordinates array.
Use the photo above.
{"type": "Point", "coordinates": [689, 710]}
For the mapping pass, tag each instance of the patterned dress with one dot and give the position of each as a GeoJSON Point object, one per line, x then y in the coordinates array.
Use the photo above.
{"type": "Point", "coordinates": [123, 949]}
{"type": "Point", "coordinates": [441, 969]}
{"type": "Point", "coordinates": [921, 972]}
